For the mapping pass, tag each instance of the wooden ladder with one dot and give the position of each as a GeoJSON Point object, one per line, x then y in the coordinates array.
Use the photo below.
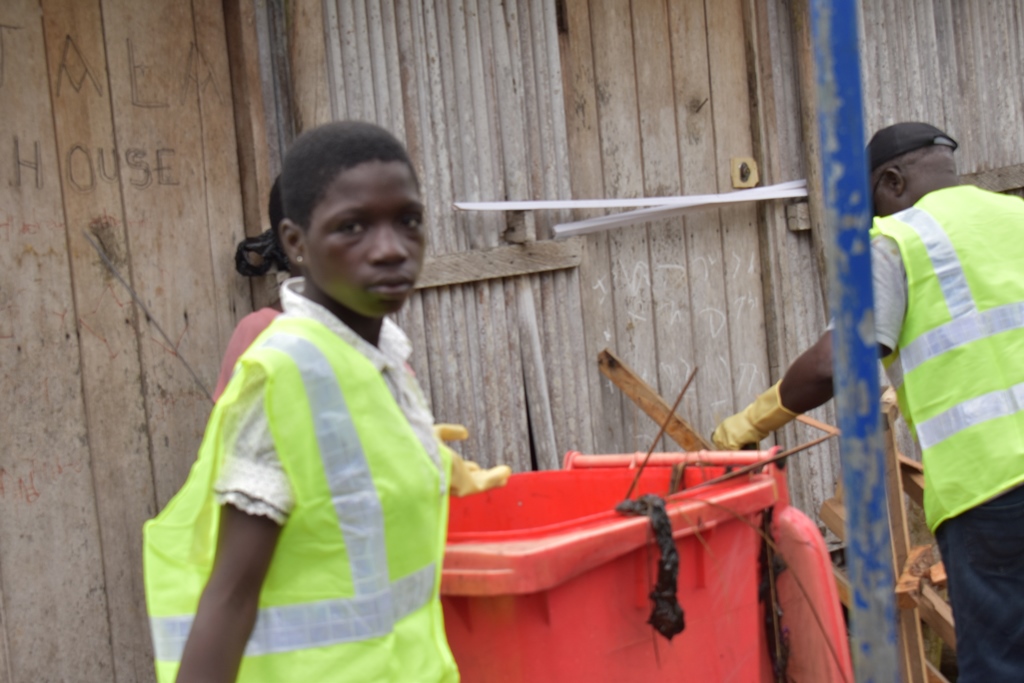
{"type": "Point", "coordinates": [917, 600]}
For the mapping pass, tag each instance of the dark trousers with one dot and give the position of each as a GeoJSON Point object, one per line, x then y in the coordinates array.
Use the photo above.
{"type": "Point", "coordinates": [983, 551]}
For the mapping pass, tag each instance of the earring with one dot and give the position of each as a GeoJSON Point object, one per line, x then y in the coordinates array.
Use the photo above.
{"type": "Point", "coordinates": [298, 259]}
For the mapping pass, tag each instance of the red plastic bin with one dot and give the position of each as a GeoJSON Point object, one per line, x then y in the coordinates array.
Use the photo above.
{"type": "Point", "coordinates": [543, 581]}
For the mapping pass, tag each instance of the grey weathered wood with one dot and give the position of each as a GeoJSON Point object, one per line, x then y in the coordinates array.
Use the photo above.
{"type": "Point", "coordinates": [6, 674]}
{"type": "Point", "coordinates": [1002, 179]}
{"type": "Point", "coordinates": [498, 262]}
{"type": "Point", "coordinates": [499, 392]}
{"type": "Point", "coordinates": [335, 61]}
{"type": "Point", "coordinates": [222, 197]}
{"type": "Point", "coordinates": [794, 310]}
{"type": "Point", "coordinates": [630, 277]}
{"type": "Point", "coordinates": [669, 282]}
{"type": "Point", "coordinates": [251, 128]}
{"type": "Point", "coordinates": [695, 121]}
{"type": "Point", "coordinates": [183, 306]}
{"type": "Point", "coordinates": [119, 449]}
{"type": "Point", "coordinates": [55, 624]}
{"type": "Point", "coordinates": [583, 137]}
{"type": "Point", "coordinates": [309, 63]}
{"type": "Point", "coordinates": [741, 248]}
{"type": "Point", "coordinates": [806, 102]}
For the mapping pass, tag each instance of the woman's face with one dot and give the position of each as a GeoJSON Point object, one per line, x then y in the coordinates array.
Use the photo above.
{"type": "Point", "coordinates": [364, 247]}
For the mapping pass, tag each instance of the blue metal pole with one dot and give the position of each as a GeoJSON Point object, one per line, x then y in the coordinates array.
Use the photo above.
{"type": "Point", "coordinates": [855, 354]}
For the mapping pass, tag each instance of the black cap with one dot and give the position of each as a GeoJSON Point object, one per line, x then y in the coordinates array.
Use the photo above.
{"type": "Point", "coordinates": [900, 138]}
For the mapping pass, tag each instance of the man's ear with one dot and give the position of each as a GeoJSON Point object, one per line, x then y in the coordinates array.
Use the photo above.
{"type": "Point", "coordinates": [893, 181]}
{"type": "Point", "coordinates": [293, 239]}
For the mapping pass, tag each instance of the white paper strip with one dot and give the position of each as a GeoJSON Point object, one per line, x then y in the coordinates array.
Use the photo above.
{"type": "Point", "coordinates": [755, 194]}
{"type": "Point", "coordinates": [695, 203]}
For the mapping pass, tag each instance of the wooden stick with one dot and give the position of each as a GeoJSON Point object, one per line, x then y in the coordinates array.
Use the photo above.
{"type": "Point", "coordinates": [660, 432]}
{"type": "Point", "coordinates": [648, 400]}
{"type": "Point", "coordinates": [761, 463]}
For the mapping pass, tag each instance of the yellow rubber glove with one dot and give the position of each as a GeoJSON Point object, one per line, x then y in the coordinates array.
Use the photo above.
{"type": "Point", "coordinates": [753, 423]}
{"type": "Point", "coordinates": [467, 477]}
{"type": "Point", "coordinates": [450, 432]}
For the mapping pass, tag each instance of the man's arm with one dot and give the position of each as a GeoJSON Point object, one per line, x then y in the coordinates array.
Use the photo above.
{"type": "Point", "coordinates": [227, 611]}
{"type": "Point", "coordinates": [806, 385]}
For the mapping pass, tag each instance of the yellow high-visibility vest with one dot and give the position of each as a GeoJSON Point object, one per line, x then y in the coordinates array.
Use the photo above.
{"type": "Point", "coordinates": [352, 590]}
{"type": "Point", "coordinates": [959, 363]}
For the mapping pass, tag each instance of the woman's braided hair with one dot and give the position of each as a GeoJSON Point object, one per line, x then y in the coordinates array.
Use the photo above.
{"type": "Point", "coordinates": [265, 247]}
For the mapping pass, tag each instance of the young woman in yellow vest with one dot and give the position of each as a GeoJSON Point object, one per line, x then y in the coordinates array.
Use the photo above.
{"type": "Point", "coordinates": [307, 543]}
{"type": "Point", "coordinates": [948, 271]}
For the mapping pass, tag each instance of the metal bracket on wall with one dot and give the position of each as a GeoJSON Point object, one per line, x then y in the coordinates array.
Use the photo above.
{"type": "Point", "coordinates": [744, 172]}
{"type": "Point", "coordinates": [798, 216]}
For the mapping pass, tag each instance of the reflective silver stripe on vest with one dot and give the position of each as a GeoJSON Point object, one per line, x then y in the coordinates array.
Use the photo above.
{"type": "Point", "coordinates": [312, 624]}
{"type": "Point", "coordinates": [944, 260]}
{"type": "Point", "coordinates": [971, 412]}
{"type": "Point", "coordinates": [948, 270]}
{"type": "Point", "coordinates": [377, 603]}
{"type": "Point", "coordinates": [969, 328]}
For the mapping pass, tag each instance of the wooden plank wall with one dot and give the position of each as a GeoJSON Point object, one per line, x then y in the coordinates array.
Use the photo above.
{"type": "Point", "coordinates": [474, 89]}
{"type": "Point", "coordinates": [117, 121]}
{"type": "Point", "coordinates": [958, 64]}
{"type": "Point", "coordinates": [796, 311]}
{"type": "Point", "coordinates": [657, 102]}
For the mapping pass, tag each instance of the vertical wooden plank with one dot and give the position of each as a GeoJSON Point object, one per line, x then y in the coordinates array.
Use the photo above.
{"type": "Point", "coordinates": [968, 86]}
{"type": "Point", "coordinates": [358, 93]}
{"type": "Point", "coordinates": [511, 143]}
{"type": "Point", "coordinates": [1006, 104]}
{"type": "Point", "coordinates": [671, 292]}
{"type": "Point", "coordinates": [914, 102]}
{"type": "Point", "coordinates": [1013, 25]}
{"type": "Point", "coordinates": [928, 54]}
{"type": "Point", "coordinates": [566, 368]}
{"type": "Point", "coordinates": [800, 17]}
{"type": "Point", "coordinates": [444, 372]}
{"type": "Point", "coordinates": [419, 140]}
{"type": "Point", "coordinates": [615, 77]}
{"type": "Point", "coordinates": [984, 45]}
{"type": "Point", "coordinates": [463, 133]}
{"type": "Point", "coordinates": [376, 62]}
{"type": "Point", "coordinates": [555, 357]}
{"type": "Point", "coordinates": [495, 69]}
{"type": "Point", "coordinates": [522, 46]}
{"type": "Point", "coordinates": [309, 63]}
{"type": "Point", "coordinates": [389, 31]}
{"type": "Point", "coordinates": [274, 102]}
{"type": "Point", "coordinates": [513, 408]}
{"type": "Point", "coordinates": [794, 311]}
{"type": "Point", "coordinates": [694, 122]}
{"type": "Point", "coordinates": [111, 371]}
{"type": "Point", "coordinates": [572, 332]}
{"type": "Point", "coordinates": [158, 125]}
{"type": "Point", "coordinates": [6, 674]}
{"type": "Point", "coordinates": [549, 176]}
{"type": "Point", "coordinates": [335, 62]}
{"type": "Point", "coordinates": [585, 163]}
{"type": "Point", "coordinates": [206, 79]}
{"type": "Point", "coordinates": [480, 385]}
{"type": "Point", "coordinates": [1018, 60]}
{"type": "Point", "coordinates": [51, 560]}
{"type": "Point", "coordinates": [948, 68]}
{"type": "Point", "coordinates": [437, 179]}
{"type": "Point", "coordinates": [741, 248]}
{"type": "Point", "coordinates": [255, 173]}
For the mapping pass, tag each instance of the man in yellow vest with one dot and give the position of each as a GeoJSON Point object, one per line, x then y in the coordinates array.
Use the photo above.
{"type": "Point", "coordinates": [948, 271]}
